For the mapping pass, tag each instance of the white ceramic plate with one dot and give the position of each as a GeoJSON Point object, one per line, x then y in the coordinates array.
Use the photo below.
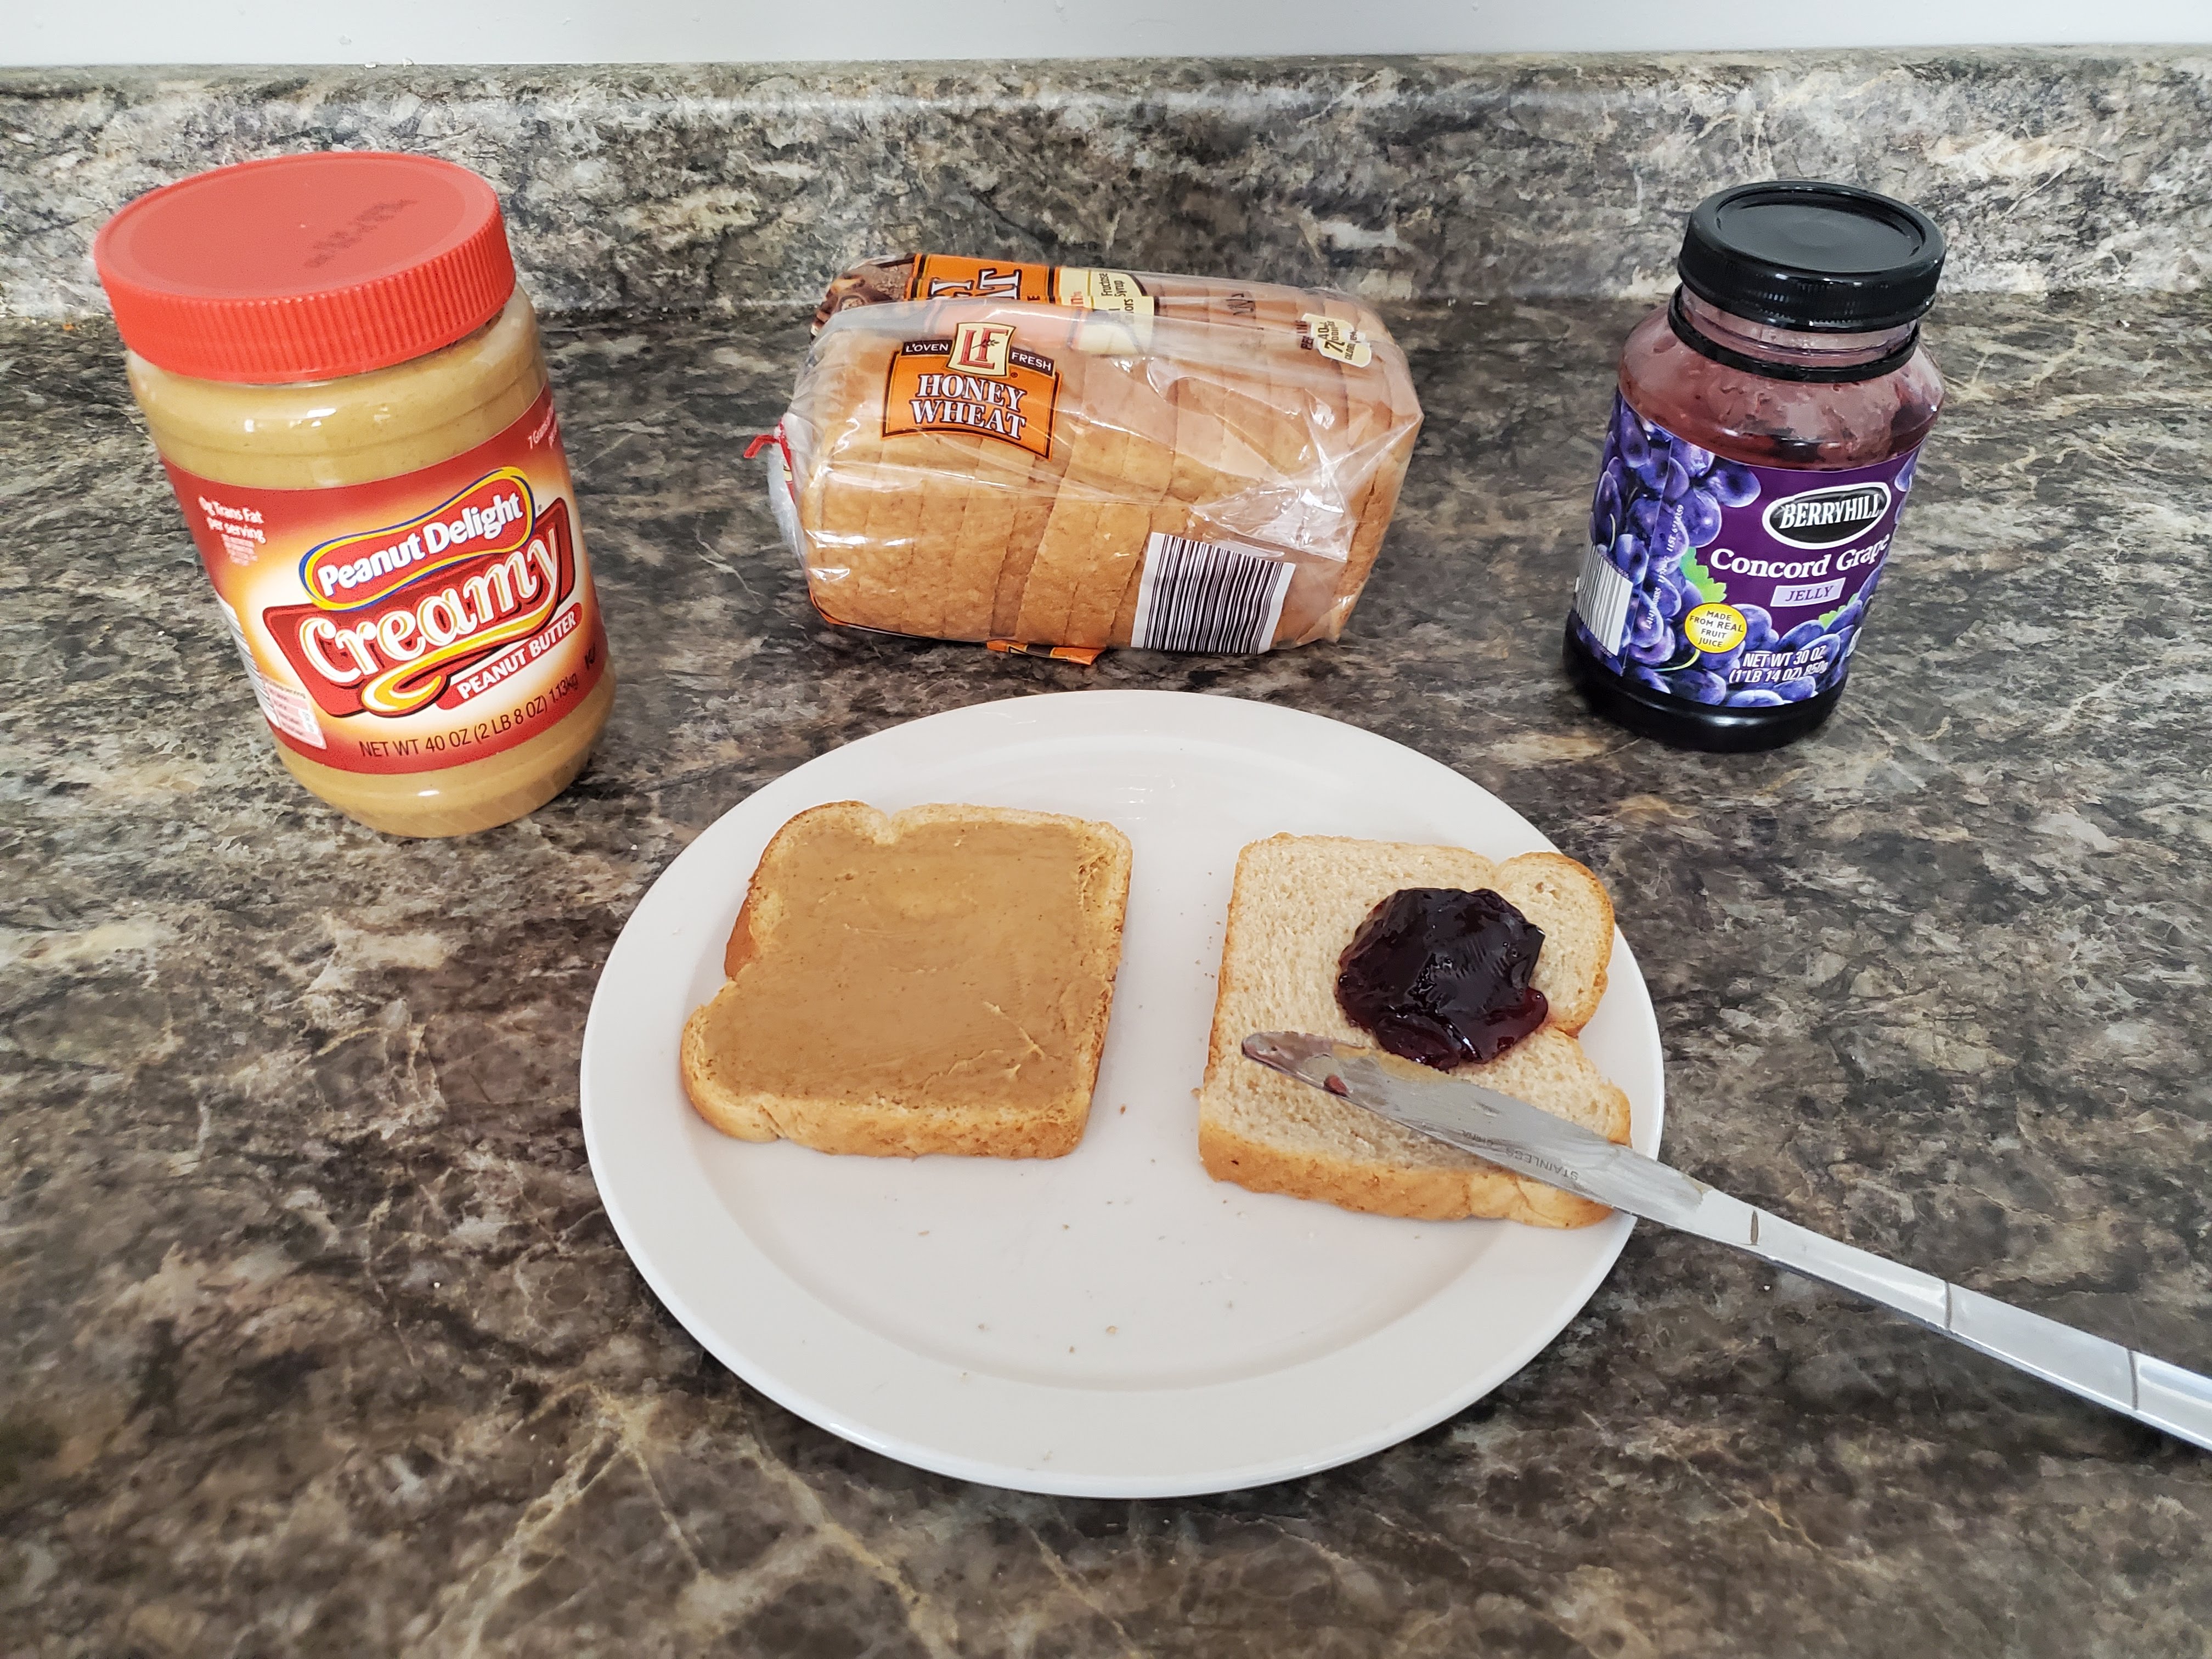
{"type": "Point", "coordinates": [1113, 1323]}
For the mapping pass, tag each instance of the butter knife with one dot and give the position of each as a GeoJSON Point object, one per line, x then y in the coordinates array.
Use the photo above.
{"type": "Point", "coordinates": [1533, 1143]}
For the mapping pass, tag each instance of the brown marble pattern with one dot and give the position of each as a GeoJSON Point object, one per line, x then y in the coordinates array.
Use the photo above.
{"type": "Point", "coordinates": [1469, 177]}
{"type": "Point", "coordinates": [314, 1340]}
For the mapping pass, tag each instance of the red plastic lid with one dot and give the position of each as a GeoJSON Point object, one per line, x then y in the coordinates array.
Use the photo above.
{"type": "Point", "coordinates": [305, 267]}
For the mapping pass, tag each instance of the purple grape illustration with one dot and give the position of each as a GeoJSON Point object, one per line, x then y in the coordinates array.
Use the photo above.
{"type": "Point", "coordinates": [1799, 637]}
{"type": "Point", "coordinates": [1646, 628]}
{"type": "Point", "coordinates": [1635, 450]}
{"type": "Point", "coordinates": [1701, 518]}
{"type": "Point", "coordinates": [1605, 512]}
{"type": "Point", "coordinates": [1733, 485]}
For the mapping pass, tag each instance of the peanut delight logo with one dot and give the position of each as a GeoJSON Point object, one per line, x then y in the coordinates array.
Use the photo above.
{"type": "Point", "coordinates": [440, 609]}
{"type": "Point", "coordinates": [492, 515]}
{"type": "Point", "coordinates": [977, 381]}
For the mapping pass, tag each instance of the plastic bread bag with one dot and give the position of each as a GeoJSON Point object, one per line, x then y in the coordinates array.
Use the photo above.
{"type": "Point", "coordinates": [1090, 458]}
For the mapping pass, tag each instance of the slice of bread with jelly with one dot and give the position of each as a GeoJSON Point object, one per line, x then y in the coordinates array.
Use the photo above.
{"type": "Point", "coordinates": [1297, 901]}
{"type": "Point", "coordinates": [936, 980]}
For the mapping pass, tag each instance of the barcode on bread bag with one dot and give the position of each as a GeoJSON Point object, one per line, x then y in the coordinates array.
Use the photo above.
{"type": "Point", "coordinates": [1207, 596]}
{"type": "Point", "coordinates": [1602, 598]}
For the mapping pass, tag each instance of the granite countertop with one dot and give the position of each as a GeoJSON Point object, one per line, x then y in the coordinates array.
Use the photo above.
{"type": "Point", "coordinates": [317, 1340]}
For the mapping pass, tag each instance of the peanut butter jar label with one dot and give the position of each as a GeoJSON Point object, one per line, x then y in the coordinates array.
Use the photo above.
{"type": "Point", "coordinates": [978, 381]}
{"type": "Point", "coordinates": [416, 622]}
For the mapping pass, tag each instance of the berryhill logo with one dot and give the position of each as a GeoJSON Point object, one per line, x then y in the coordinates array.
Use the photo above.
{"type": "Point", "coordinates": [1827, 518]}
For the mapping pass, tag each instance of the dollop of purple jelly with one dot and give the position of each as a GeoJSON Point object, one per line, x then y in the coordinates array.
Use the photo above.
{"type": "Point", "coordinates": [1441, 975]}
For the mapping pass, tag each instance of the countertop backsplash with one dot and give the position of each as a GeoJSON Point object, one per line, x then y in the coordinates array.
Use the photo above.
{"type": "Point", "coordinates": [1398, 179]}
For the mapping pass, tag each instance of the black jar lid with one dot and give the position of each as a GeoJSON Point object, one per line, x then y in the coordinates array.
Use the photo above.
{"type": "Point", "coordinates": [1825, 259]}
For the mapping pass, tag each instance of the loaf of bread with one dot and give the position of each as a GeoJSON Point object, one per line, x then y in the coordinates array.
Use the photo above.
{"type": "Point", "coordinates": [936, 980]}
{"type": "Point", "coordinates": [1296, 902]}
{"type": "Point", "coordinates": [1051, 457]}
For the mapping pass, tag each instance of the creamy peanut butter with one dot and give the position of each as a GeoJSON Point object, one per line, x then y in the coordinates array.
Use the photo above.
{"type": "Point", "coordinates": [954, 966]}
{"type": "Point", "coordinates": [348, 390]}
{"type": "Point", "coordinates": [365, 429]}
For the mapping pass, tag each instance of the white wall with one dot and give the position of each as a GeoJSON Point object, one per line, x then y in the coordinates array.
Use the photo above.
{"type": "Point", "coordinates": [681, 31]}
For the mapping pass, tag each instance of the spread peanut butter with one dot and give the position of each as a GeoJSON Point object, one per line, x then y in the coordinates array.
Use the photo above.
{"type": "Point", "coordinates": [950, 966]}
{"type": "Point", "coordinates": [347, 389]}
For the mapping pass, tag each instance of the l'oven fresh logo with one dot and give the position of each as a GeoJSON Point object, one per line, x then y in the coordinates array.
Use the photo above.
{"type": "Point", "coordinates": [982, 348]}
{"type": "Point", "coordinates": [450, 632]}
{"type": "Point", "coordinates": [1827, 518]}
{"type": "Point", "coordinates": [492, 515]}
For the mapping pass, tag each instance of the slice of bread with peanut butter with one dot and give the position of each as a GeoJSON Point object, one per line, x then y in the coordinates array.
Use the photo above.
{"type": "Point", "coordinates": [932, 981]}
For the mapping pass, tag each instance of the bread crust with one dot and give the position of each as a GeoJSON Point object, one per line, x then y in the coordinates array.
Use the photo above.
{"type": "Point", "coordinates": [885, 1127]}
{"type": "Point", "coordinates": [1569, 1013]}
{"type": "Point", "coordinates": [879, 1130]}
{"type": "Point", "coordinates": [1383, 1190]}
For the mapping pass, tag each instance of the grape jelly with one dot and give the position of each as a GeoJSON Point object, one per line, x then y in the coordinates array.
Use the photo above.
{"type": "Point", "coordinates": [1442, 975]}
{"type": "Point", "coordinates": [1762, 445]}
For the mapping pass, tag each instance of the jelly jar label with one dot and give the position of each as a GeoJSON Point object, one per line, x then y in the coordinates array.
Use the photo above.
{"type": "Point", "coordinates": [1721, 582]}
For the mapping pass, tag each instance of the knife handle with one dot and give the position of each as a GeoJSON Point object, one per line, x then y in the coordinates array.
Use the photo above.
{"type": "Point", "coordinates": [2150, 1389]}
{"type": "Point", "coordinates": [1536, 1143]}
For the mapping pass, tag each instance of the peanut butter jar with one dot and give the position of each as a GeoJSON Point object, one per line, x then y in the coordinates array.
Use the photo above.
{"type": "Point", "coordinates": [347, 389]}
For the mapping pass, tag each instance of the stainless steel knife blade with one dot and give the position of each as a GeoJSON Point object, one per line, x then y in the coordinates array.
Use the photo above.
{"type": "Point", "coordinates": [1532, 1142]}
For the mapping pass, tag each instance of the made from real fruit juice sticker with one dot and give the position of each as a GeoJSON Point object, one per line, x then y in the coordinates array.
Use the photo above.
{"type": "Point", "coordinates": [1729, 583]}
{"type": "Point", "coordinates": [416, 622]}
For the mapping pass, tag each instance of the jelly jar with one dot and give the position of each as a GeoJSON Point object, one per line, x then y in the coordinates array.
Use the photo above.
{"type": "Point", "coordinates": [1761, 447]}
